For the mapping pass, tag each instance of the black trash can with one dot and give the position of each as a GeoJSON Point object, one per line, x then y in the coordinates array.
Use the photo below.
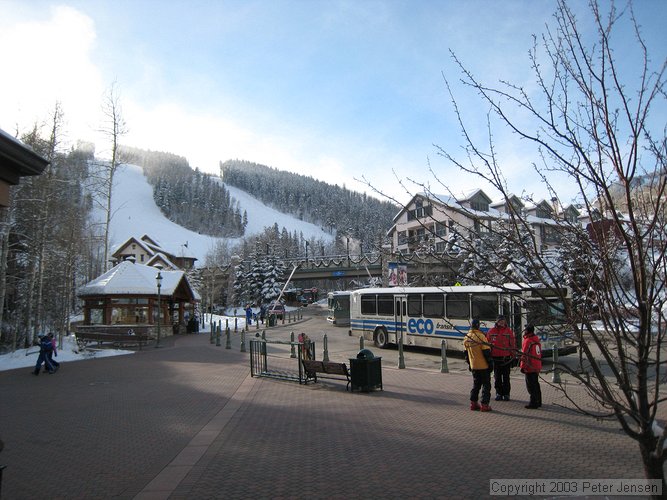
{"type": "Point", "coordinates": [365, 371]}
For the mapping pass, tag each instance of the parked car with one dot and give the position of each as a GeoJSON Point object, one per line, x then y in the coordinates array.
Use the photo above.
{"type": "Point", "coordinates": [278, 310]}
{"type": "Point", "coordinates": [303, 301]}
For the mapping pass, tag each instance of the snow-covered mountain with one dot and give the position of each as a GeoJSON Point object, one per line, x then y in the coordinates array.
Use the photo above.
{"type": "Point", "coordinates": [135, 214]}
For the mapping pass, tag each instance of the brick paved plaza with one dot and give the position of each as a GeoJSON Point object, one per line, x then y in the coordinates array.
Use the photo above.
{"type": "Point", "coordinates": [188, 422]}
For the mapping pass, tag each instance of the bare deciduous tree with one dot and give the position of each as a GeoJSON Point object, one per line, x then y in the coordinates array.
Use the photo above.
{"type": "Point", "coordinates": [602, 129]}
{"type": "Point", "coordinates": [596, 124]}
{"type": "Point", "coordinates": [114, 128]}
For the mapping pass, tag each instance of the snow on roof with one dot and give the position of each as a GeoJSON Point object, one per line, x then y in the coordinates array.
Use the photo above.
{"type": "Point", "coordinates": [128, 278]}
{"type": "Point", "coordinates": [155, 259]}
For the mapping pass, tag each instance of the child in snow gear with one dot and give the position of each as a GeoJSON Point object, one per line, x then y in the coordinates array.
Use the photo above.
{"type": "Point", "coordinates": [53, 352]}
{"type": "Point", "coordinates": [531, 365]}
{"type": "Point", "coordinates": [45, 347]}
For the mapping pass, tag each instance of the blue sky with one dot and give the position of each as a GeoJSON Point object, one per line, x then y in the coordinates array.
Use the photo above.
{"type": "Point", "coordinates": [332, 89]}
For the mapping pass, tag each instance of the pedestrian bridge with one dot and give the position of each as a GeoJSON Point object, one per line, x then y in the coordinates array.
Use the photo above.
{"type": "Point", "coordinates": [336, 267]}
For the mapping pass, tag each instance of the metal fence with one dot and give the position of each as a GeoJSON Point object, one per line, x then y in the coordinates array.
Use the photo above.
{"type": "Point", "coordinates": [265, 363]}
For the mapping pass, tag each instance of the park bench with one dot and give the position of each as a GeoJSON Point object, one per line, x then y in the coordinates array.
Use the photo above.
{"type": "Point", "coordinates": [325, 369]}
{"type": "Point", "coordinates": [115, 339]}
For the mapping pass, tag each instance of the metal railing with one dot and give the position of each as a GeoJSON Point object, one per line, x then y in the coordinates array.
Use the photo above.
{"type": "Point", "coordinates": [264, 365]}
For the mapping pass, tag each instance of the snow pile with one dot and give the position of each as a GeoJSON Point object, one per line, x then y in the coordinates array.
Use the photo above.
{"type": "Point", "coordinates": [24, 358]}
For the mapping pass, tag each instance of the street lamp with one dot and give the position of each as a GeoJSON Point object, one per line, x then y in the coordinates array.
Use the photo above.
{"type": "Point", "coordinates": [158, 280]}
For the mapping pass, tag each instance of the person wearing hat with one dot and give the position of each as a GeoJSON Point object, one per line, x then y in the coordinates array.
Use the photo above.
{"type": "Point", "coordinates": [531, 365]}
{"type": "Point", "coordinates": [503, 351]}
{"type": "Point", "coordinates": [481, 364]}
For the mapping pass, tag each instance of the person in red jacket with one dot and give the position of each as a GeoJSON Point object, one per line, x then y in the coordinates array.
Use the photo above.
{"type": "Point", "coordinates": [503, 351]}
{"type": "Point", "coordinates": [531, 365]}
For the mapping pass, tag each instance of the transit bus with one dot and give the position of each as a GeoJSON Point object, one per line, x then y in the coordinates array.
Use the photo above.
{"type": "Point", "coordinates": [424, 316]}
{"type": "Point", "coordinates": [338, 308]}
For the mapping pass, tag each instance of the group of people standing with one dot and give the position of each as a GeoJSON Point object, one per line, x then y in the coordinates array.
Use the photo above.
{"type": "Point", "coordinates": [48, 348]}
{"type": "Point", "coordinates": [497, 352]}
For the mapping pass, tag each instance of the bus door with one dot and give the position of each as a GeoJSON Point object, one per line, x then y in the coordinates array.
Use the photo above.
{"type": "Point", "coordinates": [507, 308]}
{"type": "Point", "coordinates": [400, 316]}
{"type": "Point", "coordinates": [515, 320]}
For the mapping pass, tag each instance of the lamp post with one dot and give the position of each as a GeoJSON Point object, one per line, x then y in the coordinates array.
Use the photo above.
{"type": "Point", "coordinates": [307, 252]}
{"type": "Point", "coordinates": [158, 280]}
{"type": "Point", "coordinates": [347, 238]}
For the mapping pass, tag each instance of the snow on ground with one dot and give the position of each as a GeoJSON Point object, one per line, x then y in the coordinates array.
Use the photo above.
{"type": "Point", "coordinates": [135, 214]}
{"type": "Point", "coordinates": [26, 358]}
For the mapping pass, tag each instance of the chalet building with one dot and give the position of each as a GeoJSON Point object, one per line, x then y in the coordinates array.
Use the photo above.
{"type": "Point", "coordinates": [16, 161]}
{"type": "Point", "coordinates": [126, 298]}
{"type": "Point", "coordinates": [431, 219]}
{"type": "Point", "coordinates": [147, 251]}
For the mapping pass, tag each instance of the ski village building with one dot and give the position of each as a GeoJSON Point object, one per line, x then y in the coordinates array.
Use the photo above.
{"type": "Point", "coordinates": [145, 286]}
{"type": "Point", "coordinates": [428, 223]}
{"type": "Point", "coordinates": [16, 161]}
{"type": "Point", "coordinates": [147, 251]}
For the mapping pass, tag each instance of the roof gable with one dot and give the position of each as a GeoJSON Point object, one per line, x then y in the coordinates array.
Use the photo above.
{"type": "Point", "coordinates": [131, 240]}
{"type": "Point", "coordinates": [161, 259]}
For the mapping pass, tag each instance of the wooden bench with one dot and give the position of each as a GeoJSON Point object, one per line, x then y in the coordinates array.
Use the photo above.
{"type": "Point", "coordinates": [116, 339]}
{"type": "Point", "coordinates": [324, 368]}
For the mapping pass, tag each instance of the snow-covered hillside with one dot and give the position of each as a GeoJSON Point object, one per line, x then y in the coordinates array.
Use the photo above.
{"type": "Point", "coordinates": [135, 214]}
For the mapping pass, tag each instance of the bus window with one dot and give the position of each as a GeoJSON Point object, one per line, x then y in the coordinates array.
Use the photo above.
{"type": "Point", "coordinates": [414, 305]}
{"type": "Point", "coordinates": [485, 307]}
{"type": "Point", "coordinates": [368, 305]}
{"type": "Point", "coordinates": [545, 313]}
{"type": "Point", "coordinates": [434, 305]}
{"type": "Point", "coordinates": [386, 305]}
{"type": "Point", "coordinates": [458, 305]}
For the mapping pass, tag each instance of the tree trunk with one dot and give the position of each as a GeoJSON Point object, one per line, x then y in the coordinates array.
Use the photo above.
{"type": "Point", "coordinates": [653, 465]}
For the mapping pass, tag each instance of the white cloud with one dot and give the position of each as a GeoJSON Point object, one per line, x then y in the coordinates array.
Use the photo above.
{"type": "Point", "coordinates": [51, 63]}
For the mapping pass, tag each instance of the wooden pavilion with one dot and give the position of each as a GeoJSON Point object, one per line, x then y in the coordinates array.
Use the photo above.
{"type": "Point", "coordinates": [127, 297]}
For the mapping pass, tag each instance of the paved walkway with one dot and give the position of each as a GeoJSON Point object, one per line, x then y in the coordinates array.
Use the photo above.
{"type": "Point", "coordinates": [187, 421]}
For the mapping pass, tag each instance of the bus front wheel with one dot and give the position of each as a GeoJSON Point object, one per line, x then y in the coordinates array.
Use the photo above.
{"type": "Point", "coordinates": [381, 338]}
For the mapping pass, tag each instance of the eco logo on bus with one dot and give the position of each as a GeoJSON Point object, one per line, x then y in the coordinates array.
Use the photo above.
{"type": "Point", "coordinates": [420, 326]}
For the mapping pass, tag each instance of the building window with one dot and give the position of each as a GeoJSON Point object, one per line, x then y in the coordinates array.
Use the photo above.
{"type": "Point", "coordinates": [479, 206]}
{"type": "Point", "coordinates": [420, 211]}
{"type": "Point", "coordinates": [402, 238]}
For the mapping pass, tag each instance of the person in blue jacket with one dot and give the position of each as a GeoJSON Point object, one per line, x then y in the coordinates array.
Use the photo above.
{"type": "Point", "coordinates": [45, 348]}
{"type": "Point", "coordinates": [248, 315]}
